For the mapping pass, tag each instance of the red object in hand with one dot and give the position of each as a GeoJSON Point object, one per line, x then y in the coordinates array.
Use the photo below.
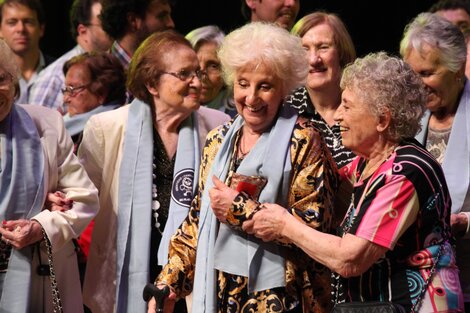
{"type": "Point", "coordinates": [249, 188]}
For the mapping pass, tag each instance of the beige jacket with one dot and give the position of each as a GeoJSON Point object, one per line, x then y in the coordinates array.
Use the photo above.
{"type": "Point", "coordinates": [64, 173]}
{"type": "Point", "coordinates": [101, 153]}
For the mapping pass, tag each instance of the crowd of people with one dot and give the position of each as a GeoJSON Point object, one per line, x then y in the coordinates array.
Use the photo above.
{"type": "Point", "coordinates": [269, 169]}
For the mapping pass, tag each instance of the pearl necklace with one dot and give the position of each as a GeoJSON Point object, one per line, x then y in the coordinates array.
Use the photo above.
{"type": "Point", "coordinates": [155, 202]}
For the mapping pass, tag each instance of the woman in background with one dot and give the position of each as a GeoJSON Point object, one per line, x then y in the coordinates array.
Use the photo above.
{"type": "Point", "coordinates": [206, 41]}
{"type": "Point", "coordinates": [95, 82]}
{"type": "Point", "coordinates": [329, 49]}
{"type": "Point", "coordinates": [436, 50]}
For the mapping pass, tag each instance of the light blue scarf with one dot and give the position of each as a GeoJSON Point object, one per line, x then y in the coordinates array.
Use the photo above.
{"type": "Point", "coordinates": [75, 124]}
{"type": "Point", "coordinates": [456, 164]}
{"type": "Point", "coordinates": [235, 252]}
{"type": "Point", "coordinates": [22, 195]}
{"type": "Point", "coordinates": [135, 201]}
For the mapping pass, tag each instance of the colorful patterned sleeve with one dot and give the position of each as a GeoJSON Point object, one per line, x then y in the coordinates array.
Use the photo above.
{"type": "Point", "coordinates": [391, 206]}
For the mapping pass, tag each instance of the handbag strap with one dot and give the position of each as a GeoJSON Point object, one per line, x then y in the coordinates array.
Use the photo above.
{"type": "Point", "coordinates": [415, 307]}
{"type": "Point", "coordinates": [56, 302]}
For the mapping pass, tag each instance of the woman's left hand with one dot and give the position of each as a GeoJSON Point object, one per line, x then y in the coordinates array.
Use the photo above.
{"type": "Point", "coordinates": [21, 233]}
{"type": "Point", "coordinates": [222, 197]}
{"type": "Point", "coordinates": [268, 222]}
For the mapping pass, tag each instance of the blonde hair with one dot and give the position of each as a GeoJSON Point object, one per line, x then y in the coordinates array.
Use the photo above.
{"type": "Point", "coordinates": [267, 44]}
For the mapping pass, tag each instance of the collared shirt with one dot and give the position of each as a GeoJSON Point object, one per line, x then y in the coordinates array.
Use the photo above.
{"type": "Point", "coordinates": [26, 85]}
{"type": "Point", "coordinates": [46, 90]}
{"type": "Point", "coordinates": [121, 54]}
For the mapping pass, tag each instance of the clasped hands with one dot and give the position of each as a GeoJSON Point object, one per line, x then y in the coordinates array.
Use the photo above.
{"type": "Point", "coordinates": [21, 233]}
{"type": "Point", "coordinates": [266, 224]}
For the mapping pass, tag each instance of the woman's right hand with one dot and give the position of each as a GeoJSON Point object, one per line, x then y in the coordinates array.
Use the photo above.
{"type": "Point", "coordinates": [168, 303]}
{"type": "Point", "coordinates": [57, 201]}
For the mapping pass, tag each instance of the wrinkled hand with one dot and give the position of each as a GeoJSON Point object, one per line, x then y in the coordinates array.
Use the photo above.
{"type": "Point", "coordinates": [21, 233]}
{"type": "Point", "coordinates": [222, 197]}
{"type": "Point", "coordinates": [268, 222]}
{"type": "Point", "coordinates": [57, 201]}
{"type": "Point", "coordinates": [168, 304]}
{"type": "Point", "coordinates": [458, 224]}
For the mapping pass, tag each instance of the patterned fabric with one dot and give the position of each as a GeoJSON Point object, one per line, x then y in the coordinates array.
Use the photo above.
{"type": "Point", "coordinates": [301, 101]}
{"type": "Point", "coordinates": [25, 86]}
{"type": "Point", "coordinates": [313, 185]}
{"type": "Point", "coordinates": [46, 89]}
{"type": "Point", "coordinates": [405, 207]}
{"type": "Point", "coordinates": [436, 142]}
{"type": "Point", "coordinates": [121, 54]}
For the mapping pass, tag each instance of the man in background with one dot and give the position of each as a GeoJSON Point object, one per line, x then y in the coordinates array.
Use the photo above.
{"type": "Point", "coordinates": [280, 12]}
{"type": "Point", "coordinates": [89, 35]}
{"type": "Point", "coordinates": [22, 25]}
{"type": "Point", "coordinates": [130, 22]}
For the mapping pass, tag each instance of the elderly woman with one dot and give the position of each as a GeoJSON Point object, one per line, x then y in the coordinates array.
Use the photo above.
{"type": "Point", "coordinates": [436, 50]}
{"type": "Point", "coordinates": [270, 154]}
{"type": "Point", "coordinates": [143, 158]}
{"type": "Point", "coordinates": [394, 240]}
{"type": "Point", "coordinates": [214, 94]}
{"type": "Point", "coordinates": [329, 49]}
{"type": "Point", "coordinates": [95, 82]}
{"type": "Point", "coordinates": [36, 158]}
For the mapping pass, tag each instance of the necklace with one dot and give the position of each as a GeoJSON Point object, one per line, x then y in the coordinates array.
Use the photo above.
{"type": "Point", "coordinates": [336, 140]}
{"type": "Point", "coordinates": [155, 203]}
{"type": "Point", "coordinates": [242, 153]}
{"type": "Point", "coordinates": [370, 169]}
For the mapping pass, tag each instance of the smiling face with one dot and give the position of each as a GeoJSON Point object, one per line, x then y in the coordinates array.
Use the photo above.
{"type": "Point", "coordinates": [20, 28]}
{"type": "Point", "coordinates": [323, 57]}
{"type": "Point", "coordinates": [280, 12]}
{"type": "Point", "coordinates": [213, 82]}
{"type": "Point", "coordinates": [258, 94]}
{"type": "Point", "coordinates": [170, 92]}
{"type": "Point", "coordinates": [441, 82]}
{"type": "Point", "coordinates": [359, 127]}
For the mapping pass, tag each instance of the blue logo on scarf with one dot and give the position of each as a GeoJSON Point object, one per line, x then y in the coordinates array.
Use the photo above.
{"type": "Point", "coordinates": [182, 189]}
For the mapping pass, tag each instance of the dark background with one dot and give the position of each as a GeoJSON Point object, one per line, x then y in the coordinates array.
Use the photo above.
{"type": "Point", "coordinates": [374, 24]}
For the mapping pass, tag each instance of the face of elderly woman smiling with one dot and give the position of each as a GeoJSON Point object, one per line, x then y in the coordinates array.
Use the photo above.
{"type": "Point", "coordinates": [360, 129]}
{"type": "Point", "coordinates": [258, 94]}
{"type": "Point", "coordinates": [179, 86]}
{"type": "Point", "coordinates": [7, 93]}
{"type": "Point", "coordinates": [441, 82]}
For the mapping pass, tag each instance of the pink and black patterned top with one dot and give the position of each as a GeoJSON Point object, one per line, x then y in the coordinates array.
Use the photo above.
{"type": "Point", "coordinates": [405, 207]}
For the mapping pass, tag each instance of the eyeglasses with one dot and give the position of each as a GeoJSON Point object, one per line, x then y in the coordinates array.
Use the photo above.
{"type": "Point", "coordinates": [5, 79]}
{"type": "Point", "coordinates": [73, 91]}
{"type": "Point", "coordinates": [185, 75]}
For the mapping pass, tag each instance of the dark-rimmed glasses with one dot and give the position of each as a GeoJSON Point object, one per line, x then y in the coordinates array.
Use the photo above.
{"type": "Point", "coordinates": [185, 75]}
{"type": "Point", "coordinates": [73, 91]}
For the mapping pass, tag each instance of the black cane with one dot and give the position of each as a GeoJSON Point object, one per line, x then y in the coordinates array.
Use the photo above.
{"type": "Point", "coordinates": [150, 290]}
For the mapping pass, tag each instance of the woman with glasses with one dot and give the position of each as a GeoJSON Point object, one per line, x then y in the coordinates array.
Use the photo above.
{"type": "Point", "coordinates": [144, 159]}
{"type": "Point", "coordinates": [206, 41]}
{"type": "Point", "coordinates": [267, 152]}
{"type": "Point", "coordinates": [95, 82]}
{"type": "Point", "coordinates": [36, 157]}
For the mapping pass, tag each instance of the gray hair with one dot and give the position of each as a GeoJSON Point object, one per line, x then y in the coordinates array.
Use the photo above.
{"type": "Point", "coordinates": [8, 63]}
{"type": "Point", "coordinates": [434, 31]}
{"type": "Point", "coordinates": [199, 36]}
{"type": "Point", "coordinates": [267, 44]}
{"type": "Point", "coordinates": [387, 84]}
